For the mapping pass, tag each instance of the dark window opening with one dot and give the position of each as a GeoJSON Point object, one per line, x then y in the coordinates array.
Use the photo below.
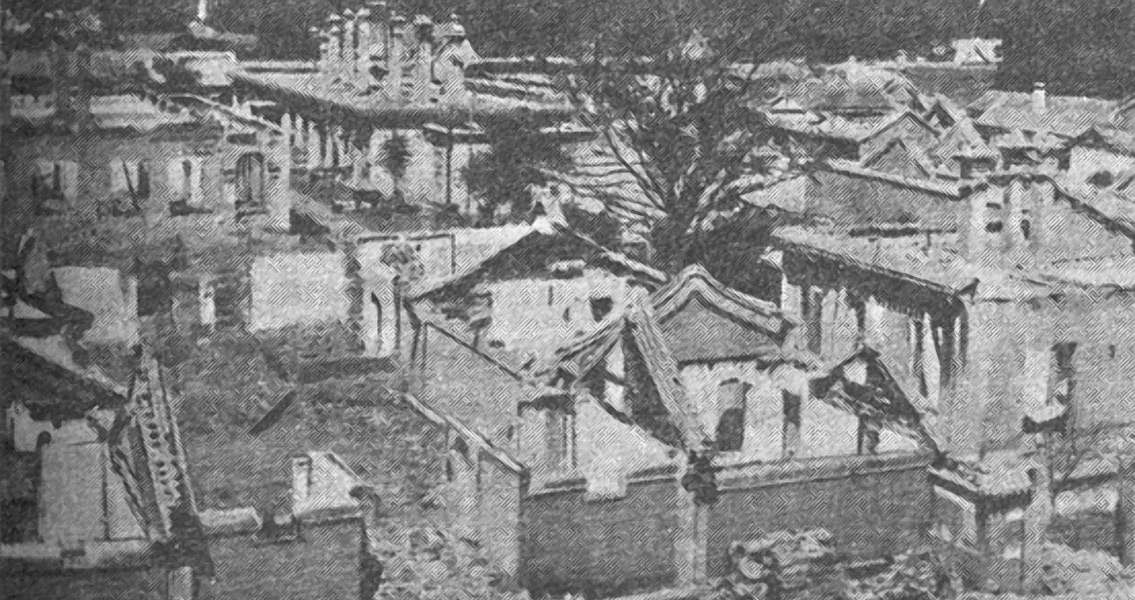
{"type": "Point", "coordinates": [43, 439]}
{"type": "Point", "coordinates": [868, 438]}
{"type": "Point", "coordinates": [732, 397]}
{"type": "Point", "coordinates": [1026, 229]}
{"type": "Point", "coordinates": [813, 309]}
{"type": "Point", "coordinates": [1101, 179]}
{"type": "Point", "coordinates": [791, 429]}
{"type": "Point", "coordinates": [995, 227]}
{"type": "Point", "coordinates": [601, 307]}
{"type": "Point", "coordinates": [1063, 379]}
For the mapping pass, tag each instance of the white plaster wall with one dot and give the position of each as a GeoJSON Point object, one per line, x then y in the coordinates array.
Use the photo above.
{"type": "Point", "coordinates": [290, 289]}
{"type": "Point", "coordinates": [826, 430]}
{"type": "Point", "coordinates": [1087, 161]}
{"type": "Point", "coordinates": [107, 294]}
{"type": "Point", "coordinates": [536, 315]}
{"type": "Point", "coordinates": [608, 450]}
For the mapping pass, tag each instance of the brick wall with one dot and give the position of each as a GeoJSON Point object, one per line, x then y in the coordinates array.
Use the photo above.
{"type": "Point", "coordinates": [875, 506]}
{"type": "Point", "coordinates": [323, 562]}
{"type": "Point", "coordinates": [122, 584]}
{"type": "Point", "coordinates": [601, 547]}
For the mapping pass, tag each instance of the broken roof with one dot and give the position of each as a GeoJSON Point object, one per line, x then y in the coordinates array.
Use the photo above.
{"type": "Point", "coordinates": [661, 405]}
{"type": "Point", "coordinates": [43, 375]}
{"type": "Point", "coordinates": [883, 393]}
{"type": "Point", "coordinates": [544, 243]}
{"type": "Point", "coordinates": [1066, 116]}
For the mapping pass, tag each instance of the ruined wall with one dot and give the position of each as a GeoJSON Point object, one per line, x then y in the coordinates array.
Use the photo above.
{"type": "Point", "coordinates": [532, 315]}
{"type": "Point", "coordinates": [323, 562]}
{"type": "Point", "coordinates": [874, 506]}
{"type": "Point", "coordinates": [1010, 362]}
{"type": "Point", "coordinates": [298, 288]}
{"type": "Point", "coordinates": [94, 155]}
{"type": "Point", "coordinates": [457, 381]}
{"type": "Point", "coordinates": [601, 547]}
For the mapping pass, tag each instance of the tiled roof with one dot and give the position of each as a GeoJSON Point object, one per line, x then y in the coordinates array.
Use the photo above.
{"type": "Point", "coordinates": [935, 187]}
{"type": "Point", "coordinates": [899, 257]}
{"type": "Point", "coordinates": [695, 283]}
{"type": "Point", "coordinates": [961, 137]}
{"type": "Point", "coordinates": [319, 90]}
{"type": "Point", "coordinates": [645, 329]}
{"type": "Point", "coordinates": [1112, 138]}
{"type": "Point", "coordinates": [1067, 116]}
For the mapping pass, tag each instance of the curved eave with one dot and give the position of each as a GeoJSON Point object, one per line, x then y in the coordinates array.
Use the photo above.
{"type": "Point", "coordinates": [385, 114]}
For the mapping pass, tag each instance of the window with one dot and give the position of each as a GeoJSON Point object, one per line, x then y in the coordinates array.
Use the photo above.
{"type": "Point", "coordinates": [54, 180]}
{"type": "Point", "coordinates": [791, 430]}
{"type": "Point", "coordinates": [560, 440]}
{"type": "Point", "coordinates": [1062, 381]}
{"type": "Point", "coordinates": [601, 307]}
{"type": "Point", "coordinates": [918, 353]}
{"type": "Point", "coordinates": [868, 436]}
{"type": "Point", "coordinates": [731, 415]}
{"type": "Point", "coordinates": [130, 180]}
{"type": "Point", "coordinates": [813, 309]}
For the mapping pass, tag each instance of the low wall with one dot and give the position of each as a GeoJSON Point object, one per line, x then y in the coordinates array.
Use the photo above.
{"type": "Point", "coordinates": [601, 548]}
{"type": "Point", "coordinates": [323, 562]}
{"type": "Point", "coordinates": [874, 506]}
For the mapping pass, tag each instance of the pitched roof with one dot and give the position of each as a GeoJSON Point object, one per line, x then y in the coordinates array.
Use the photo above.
{"type": "Point", "coordinates": [656, 336]}
{"type": "Point", "coordinates": [1067, 116]}
{"type": "Point", "coordinates": [43, 375]}
{"type": "Point", "coordinates": [961, 137]}
{"type": "Point", "coordinates": [1112, 138]}
{"type": "Point", "coordinates": [660, 405]}
{"type": "Point", "coordinates": [702, 319]}
{"type": "Point", "coordinates": [846, 167]}
{"type": "Point", "coordinates": [902, 257]}
{"type": "Point", "coordinates": [532, 251]}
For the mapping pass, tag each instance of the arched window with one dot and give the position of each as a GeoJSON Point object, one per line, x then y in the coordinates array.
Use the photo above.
{"type": "Point", "coordinates": [732, 398]}
{"type": "Point", "coordinates": [43, 439]}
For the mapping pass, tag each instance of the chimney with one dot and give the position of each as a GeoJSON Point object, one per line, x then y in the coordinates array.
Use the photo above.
{"type": "Point", "coordinates": [363, 42]}
{"type": "Point", "coordinates": [202, 10]}
{"type": "Point", "coordinates": [301, 478]}
{"type": "Point", "coordinates": [1039, 100]}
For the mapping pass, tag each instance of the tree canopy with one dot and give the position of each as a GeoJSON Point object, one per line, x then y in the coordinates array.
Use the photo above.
{"type": "Point", "coordinates": [821, 29]}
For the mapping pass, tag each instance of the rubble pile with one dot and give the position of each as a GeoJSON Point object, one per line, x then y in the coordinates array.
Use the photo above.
{"type": "Point", "coordinates": [429, 563]}
{"type": "Point", "coordinates": [908, 577]}
{"type": "Point", "coordinates": [784, 564]}
{"type": "Point", "coordinates": [1081, 572]}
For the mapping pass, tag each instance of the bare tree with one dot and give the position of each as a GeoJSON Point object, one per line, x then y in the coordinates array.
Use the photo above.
{"type": "Point", "coordinates": [680, 125]}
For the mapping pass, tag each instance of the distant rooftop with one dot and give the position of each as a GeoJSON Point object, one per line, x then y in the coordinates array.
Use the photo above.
{"type": "Point", "coordinates": [1066, 116]}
